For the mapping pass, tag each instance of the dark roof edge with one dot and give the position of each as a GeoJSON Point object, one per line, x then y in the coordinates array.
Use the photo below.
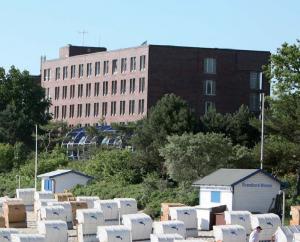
{"type": "Point", "coordinates": [73, 171]}
{"type": "Point", "coordinates": [254, 173]}
{"type": "Point", "coordinates": [207, 48]}
{"type": "Point", "coordinates": [245, 178]}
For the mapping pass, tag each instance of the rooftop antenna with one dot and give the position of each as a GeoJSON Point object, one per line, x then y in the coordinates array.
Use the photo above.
{"type": "Point", "coordinates": [99, 40]}
{"type": "Point", "coordinates": [83, 33]}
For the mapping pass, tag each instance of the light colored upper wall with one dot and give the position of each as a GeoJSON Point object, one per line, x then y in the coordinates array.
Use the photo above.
{"type": "Point", "coordinates": [255, 194]}
{"type": "Point", "coordinates": [225, 197]}
{"type": "Point", "coordinates": [66, 182]}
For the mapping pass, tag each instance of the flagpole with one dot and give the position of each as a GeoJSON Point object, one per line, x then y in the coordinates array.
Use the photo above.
{"type": "Point", "coordinates": [36, 157]}
{"type": "Point", "coordinates": [262, 130]}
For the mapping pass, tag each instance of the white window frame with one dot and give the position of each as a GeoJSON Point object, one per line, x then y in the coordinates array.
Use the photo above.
{"type": "Point", "coordinates": [212, 84]}
{"type": "Point", "coordinates": [209, 104]}
{"type": "Point", "coordinates": [210, 65]}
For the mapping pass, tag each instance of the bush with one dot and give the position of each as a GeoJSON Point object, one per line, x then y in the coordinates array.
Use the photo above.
{"type": "Point", "coordinates": [6, 157]}
{"type": "Point", "coordinates": [52, 161]}
{"type": "Point", "coordinates": [149, 194]}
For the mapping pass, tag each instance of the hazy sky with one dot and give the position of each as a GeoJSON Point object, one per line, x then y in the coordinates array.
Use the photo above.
{"type": "Point", "coordinates": [31, 28]}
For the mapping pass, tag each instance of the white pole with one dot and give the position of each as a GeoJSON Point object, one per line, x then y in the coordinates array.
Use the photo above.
{"type": "Point", "coordinates": [19, 181]}
{"type": "Point", "coordinates": [262, 130]}
{"type": "Point", "coordinates": [283, 207]}
{"type": "Point", "coordinates": [36, 158]}
{"type": "Point", "coordinates": [262, 122]}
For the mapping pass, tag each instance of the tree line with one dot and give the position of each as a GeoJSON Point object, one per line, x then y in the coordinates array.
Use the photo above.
{"type": "Point", "coordinates": [172, 147]}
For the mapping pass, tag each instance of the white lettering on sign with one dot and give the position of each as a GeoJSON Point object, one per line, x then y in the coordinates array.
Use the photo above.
{"type": "Point", "coordinates": [258, 185]}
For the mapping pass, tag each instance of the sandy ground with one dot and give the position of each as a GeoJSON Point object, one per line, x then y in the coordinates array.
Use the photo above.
{"type": "Point", "coordinates": [31, 224]}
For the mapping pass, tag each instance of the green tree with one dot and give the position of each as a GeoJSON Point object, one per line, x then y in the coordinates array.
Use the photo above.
{"type": "Point", "coordinates": [51, 134]}
{"type": "Point", "coordinates": [22, 105]}
{"type": "Point", "coordinates": [281, 156]}
{"type": "Point", "coordinates": [191, 156]}
{"type": "Point", "coordinates": [283, 113]}
{"type": "Point", "coordinates": [170, 115]}
{"type": "Point", "coordinates": [6, 157]}
{"type": "Point", "coordinates": [237, 126]}
{"type": "Point", "coordinates": [284, 69]}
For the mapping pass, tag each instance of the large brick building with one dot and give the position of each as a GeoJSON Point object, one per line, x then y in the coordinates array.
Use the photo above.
{"type": "Point", "coordinates": [87, 84]}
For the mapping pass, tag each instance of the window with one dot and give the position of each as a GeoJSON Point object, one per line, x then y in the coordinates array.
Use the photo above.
{"type": "Point", "coordinates": [114, 87]}
{"type": "Point", "coordinates": [254, 105]}
{"type": "Point", "coordinates": [64, 111]}
{"type": "Point", "coordinates": [47, 74]}
{"type": "Point", "coordinates": [215, 197]}
{"type": "Point", "coordinates": [56, 112]}
{"type": "Point", "coordinates": [123, 65]}
{"type": "Point", "coordinates": [142, 84]}
{"type": "Point", "coordinates": [254, 80]}
{"type": "Point", "coordinates": [210, 87]}
{"type": "Point", "coordinates": [57, 73]}
{"type": "Point", "coordinates": [123, 86]}
{"type": "Point", "coordinates": [79, 110]}
{"type": "Point", "coordinates": [142, 62]}
{"type": "Point", "coordinates": [80, 72]}
{"type": "Point", "coordinates": [72, 91]}
{"type": "Point", "coordinates": [210, 65]}
{"type": "Point", "coordinates": [96, 89]}
{"type": "Point", "coordinates": [73, 71]}
{"type": "Point", "coordinates": [65, 92]}
{"type": "Point", "coordinates": [80, 90]}
{"type": "Point", "coordinates": [105, 67]}
{"type": "Point", "coordinates": [131, 107]}
{"type": "Point", "coordinates": [104, 109]}
{"type": "Point", "coordinates": [47, 92]}
{"type": "Point", "coordinates": [105, 88]}
{"type": "Point", "coordinates": [141, 106]}
{"type": "Point", "coordinates": [209, 105]}
{"type": "Point", "coordinates": [88, 69]}
{"type": "Point", "coordinates": [97, 68]}
{"type": "Point", "coordinates": [122, 107]}
{"type": "Point", "coordinates": [113, 108]}
{"type": "Point", "coordinates": [114, 66]}
{"type": "Point", "coordinates": [65, 72]}
{"type": "Point", "coordinates": [96, 109]}
{"type": "Point", "coordinates": [88, 88]}
{"type": "Point", "coordinates": [48, 185]}
{"type": "Point", "coordinates": [56, 93]}
{"type": "Point", "coordinates": [71, 111]}
{"type": "Point", "coordinates": [87, 109]}
{"type": "Point", "coordinates": [132, 85]}
{"type": "Point", "coordinates": [133, 64]}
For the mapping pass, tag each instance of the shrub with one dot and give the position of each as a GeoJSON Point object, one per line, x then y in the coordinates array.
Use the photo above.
{"type": "Point", "coordinates": [6, 157]}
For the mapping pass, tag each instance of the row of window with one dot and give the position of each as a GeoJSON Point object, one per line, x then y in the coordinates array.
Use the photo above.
{"type": "Point", "coordinates": [97, 68]}
{"type": "Point", "coordinates": [96, 90]}
{"type": "Point", "coordinates": [255, 83]}
{"type": "Point", "coordinates": [113, 109]}
{"type": "Point", "coordinates": [254, 103]}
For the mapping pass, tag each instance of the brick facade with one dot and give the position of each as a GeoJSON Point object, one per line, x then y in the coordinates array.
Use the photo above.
{"type": "Point", "coordinates": [166, 69]}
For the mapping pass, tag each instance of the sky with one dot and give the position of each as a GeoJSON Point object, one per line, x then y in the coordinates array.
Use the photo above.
{"type": "Point", "coordinates": [31, 28]}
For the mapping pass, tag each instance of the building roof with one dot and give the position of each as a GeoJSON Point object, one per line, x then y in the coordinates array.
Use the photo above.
{"type": "Point", "coordinates": [229, 177]}
{"type": "Point", "coordinates": [59, 172]}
